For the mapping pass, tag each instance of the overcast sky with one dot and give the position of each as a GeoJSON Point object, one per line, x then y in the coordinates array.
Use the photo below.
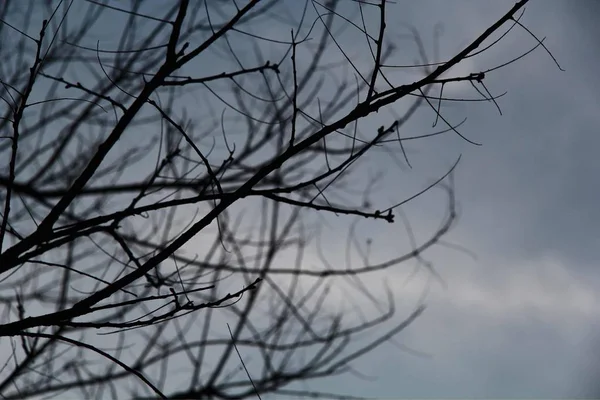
{"type": "Point", "coordinates": [522, 319]}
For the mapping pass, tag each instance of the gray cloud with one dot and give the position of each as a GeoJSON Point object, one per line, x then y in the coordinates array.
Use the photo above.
{"type": "Point", "coordinates": [518, 321]}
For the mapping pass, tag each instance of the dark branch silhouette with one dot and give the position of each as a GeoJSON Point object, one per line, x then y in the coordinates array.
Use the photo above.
{"type": "Point", "coordinates": [166, 167]}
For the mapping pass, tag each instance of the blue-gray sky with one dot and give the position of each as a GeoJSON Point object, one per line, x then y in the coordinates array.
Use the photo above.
{"type": "Point", "coordinates": [522, 317]}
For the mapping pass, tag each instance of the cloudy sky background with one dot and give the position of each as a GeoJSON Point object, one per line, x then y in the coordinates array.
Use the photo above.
{"type": "Point", "coordinates": [522, 319]}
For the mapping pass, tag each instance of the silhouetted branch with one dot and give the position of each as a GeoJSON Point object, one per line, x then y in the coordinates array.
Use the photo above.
{"type": "Point", "coordinates": [170, 170]}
